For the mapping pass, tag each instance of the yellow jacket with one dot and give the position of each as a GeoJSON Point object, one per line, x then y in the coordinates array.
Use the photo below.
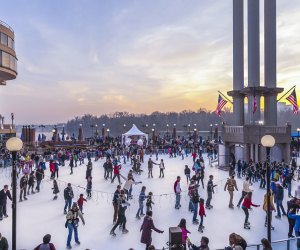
{"type": "Point", "coordinates": [271, 203]}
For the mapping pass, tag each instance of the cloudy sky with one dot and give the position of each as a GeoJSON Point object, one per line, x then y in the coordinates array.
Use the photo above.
{"type": "Point", "coordinates": [90, 56]}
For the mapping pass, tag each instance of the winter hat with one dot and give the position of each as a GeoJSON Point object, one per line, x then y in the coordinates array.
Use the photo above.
{"type": "Point", "coordinates": [46, 238]}
{"type": "Point", "coordinates": [74, 204]}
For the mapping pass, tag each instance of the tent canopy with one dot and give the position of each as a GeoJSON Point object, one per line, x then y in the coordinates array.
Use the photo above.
{"type": "Point", "coordinates": [134, 131]}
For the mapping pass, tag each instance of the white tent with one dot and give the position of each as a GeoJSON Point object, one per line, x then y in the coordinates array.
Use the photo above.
{"type": "Point", "coordinates": [134, 131]}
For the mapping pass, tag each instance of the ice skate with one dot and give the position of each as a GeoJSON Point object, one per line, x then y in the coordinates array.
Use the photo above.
{"type": "Point", "coordinates": [125, 231]}
{"type": "Point", "coordinates": [112, 233]}
{"type": "Point", "coordinates": [246, 226]}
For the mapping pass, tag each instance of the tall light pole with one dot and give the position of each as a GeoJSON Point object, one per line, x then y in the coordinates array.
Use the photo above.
{"type": "Point", "coordinates": [167, 130]}
{"type": "Point", "coordinates": [14, 145]}
{"type": "Point", "coordinates": [298, 141]}
{"type": "Point", "coordinates": [124, 127]}
{"type": "Point", "coordinates": [211, 132]}
{"type": "Point", "coordinates": [268, 141]}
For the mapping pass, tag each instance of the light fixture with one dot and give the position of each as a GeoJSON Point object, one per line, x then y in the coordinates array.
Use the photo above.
{"type": "Point", "coordinates": [14, 144]}
{"type": "Point", "coordinates": [268, 141]}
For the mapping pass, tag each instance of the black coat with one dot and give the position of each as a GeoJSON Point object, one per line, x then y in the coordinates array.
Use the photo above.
{"type": "Point", "coordinates": [23, 181]}
{"type": "Point", "coordinates": [3, 196]}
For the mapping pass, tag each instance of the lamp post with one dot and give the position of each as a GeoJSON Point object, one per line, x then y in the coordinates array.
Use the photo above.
{"type": "Point", "coordinates": [14, 145]}
{"type": "Point", "coordinates": [189, 130]}
{"type": "Point", "coordinates": [167, 130]}
{"type": "Point", "coordinates": [146, 128]}
{"type": "Point", "coordinates": [107, 130]}
{"type": "Point", "coordinates": [124, 127]}
{"type": "Point", "coordinates": [298, 141]}
{"type": "Point", "coordinates": [268, 141]}
{"type": "Point", "coordinates": [96, 132]}
{"type": "Point", "coordinates": [211, 132]}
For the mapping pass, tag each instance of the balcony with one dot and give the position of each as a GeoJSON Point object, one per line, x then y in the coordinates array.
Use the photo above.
{"type": "Point", "coordinates": [253, 133]}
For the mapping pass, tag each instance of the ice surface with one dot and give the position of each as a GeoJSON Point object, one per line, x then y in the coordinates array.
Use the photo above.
{"type": "Point", "coordinates": [40, 214]}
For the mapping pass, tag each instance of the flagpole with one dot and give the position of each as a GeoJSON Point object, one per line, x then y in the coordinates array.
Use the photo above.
{"type": "Point", "coordinates": [286, 93]}
{"type": "Point", "coordinates": [225, 97]}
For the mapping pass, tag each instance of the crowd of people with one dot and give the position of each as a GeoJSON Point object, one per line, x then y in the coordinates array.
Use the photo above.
{"type": "Point", "coordinates": [34, 168]}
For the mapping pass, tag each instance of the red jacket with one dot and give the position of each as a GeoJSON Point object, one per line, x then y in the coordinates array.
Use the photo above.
{"type": "Point", "coordinates": [248, 203]}
{"type": "Point", "coordinates": [80, 201]}
{"type": "Point", "coordinates": [202, 210]}
{"type": "Point", "coordinates": [52, 167]}
{"type": "Point", "coordinates": [117, 169]}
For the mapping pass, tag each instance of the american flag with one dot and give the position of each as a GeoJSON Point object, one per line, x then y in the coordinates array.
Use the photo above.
{"type": "Point", "coordinates": [221, 104]}
{"type": "Point", "coordinates": [292, 98]}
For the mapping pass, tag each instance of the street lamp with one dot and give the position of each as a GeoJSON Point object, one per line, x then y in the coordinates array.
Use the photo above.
{"type": "Point", "coordinates": [268, 141]}
{"type": "Point", "coordinates": [167, 130]}
{"type": "Point", "coordinates": [14, 145]}
{"type": "Point", "coordinates": [124, 127]}
{"type": "Point", "coordinates": [107, 130]}
{"type": "Point", "coordinates": [298, 140]}
{"type": "Point", "coordinates": [211, 131]}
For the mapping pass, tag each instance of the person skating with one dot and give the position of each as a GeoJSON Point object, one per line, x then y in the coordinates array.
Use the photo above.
{"type": "Point", "coordinates": [116, 172]}
{"type": "Point", "coordinates": [39, 175]}
{"type": "Point", "coordinates": [55, 189]}
{"type": "Point", "coordinates": [292, 206]}
{"type": "Point", "coordinates": [128, 185]}
{"type": "Point", "coordinates": [4, 193]}
{"type": "Point", "coordinates": [265, 208]}
{"type": "Point", "coordinates": [187, 172]}
{"type": "Point", "coordinates": [23, 186]}
{"type": "Point", "coordinates": [182, 225]}
{"type": "Point", "coordinates": [46, 245]}
{"type": "Point", "coordinates": [89, 185]}
{"type": "Point", "coordinates": [150, 167]}
{"type": "Point", "coordinates": [89, 168]}
{"type": "Point", "coordinates": [71, 164]}
{"type": "Point", "coordinates": [161, 169]}
{"type": "Point", "coordinates": [72, 224]}
{"type": "Point", "coordinates": [80, 201]}
{"type": "Point", "coordinates": [279, 200]}
{"type": "Point", "coordinates": [296, 218]}
{"type": "Point", "coordinates": [147, 228]}
{"type": "Point", "coordinates": [246, 189]}
{"type": "Point", "coordinates": [31, 183]}
{"type": "Point", "coordinates": [121, 214]}
{"type": "Point", "coordinates": [210, 190]}
{"type": "Point", "coordinates": [177, 191]}
{"type": "Point", "coordinates": [247, 203]}
{"type": "Point", "coordinates": [201, 214]}
{"type": "Point", "coordinates": [195, 200]}
{"type": "Point", "coordinates": [149, 202]}
{"type": "Point", "coordinates": [68, 196]}
{"type": "Point", "coordinates": [115, 202]}
{"type": "Point", "coordinates": [142, 198]}
{"type": "Point", "coordinates": [231, 185]}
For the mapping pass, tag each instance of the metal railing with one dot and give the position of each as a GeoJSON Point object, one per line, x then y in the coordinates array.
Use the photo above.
{"type": "Point", "coordinates": [6, 25]}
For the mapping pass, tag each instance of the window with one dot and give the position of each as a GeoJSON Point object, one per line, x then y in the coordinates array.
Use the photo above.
{"type": "Point", "coordinates": [12, 62]}
{"type": "Point", "coordinates": [5, 59]}
{"type": "Point", "coordinates": [4, 39]}
{"type": "Point", "coordinates": [10, 43]}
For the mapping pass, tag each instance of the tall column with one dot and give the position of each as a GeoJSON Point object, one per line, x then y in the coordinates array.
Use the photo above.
{"type": "Point", "coordinates": [238, 60]}
{"type": "Point", "coordinates": [253, 57]}
{"type": "Point", "coordinates": [270, 61]}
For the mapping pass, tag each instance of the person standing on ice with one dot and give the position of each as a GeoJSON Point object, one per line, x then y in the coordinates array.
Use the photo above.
{"type": "Point", "coordinates": [68, 196]}
{"type": "Point", "coordinates": [231, 185]}
{"type": "Point", "coordinates": [55, 189]}
{"type": "Point", "coordinates": [246, 189]}
{"type": "Point", "coordinates": [116, 172]}
{"type": "Point", "coordinates": [177, 191]}
{"type": "Point", "coordinates": [23, 186]}
{"type": "Point", "coordinates": [247, 203]}
{"type": "Point", "coordinates": [72, 224]}
{"type": "Point", "coordinates": [142, 198]}
{"type": "Point", "coordinates": [4, 193]}
{"type": "Point", "coordinates": [210, 191]}
{"type": "Point", "coordinates": [161, 168]}
{"type": "Point", "coordinates": [147, 228]}
{"type": "Point", "coordinates": [121, 214]}
{"type": "Point", "coordinates": [150, 167]}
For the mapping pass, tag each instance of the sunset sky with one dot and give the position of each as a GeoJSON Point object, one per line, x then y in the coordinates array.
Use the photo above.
{"type": "Point", "coordinates": [100, 56]}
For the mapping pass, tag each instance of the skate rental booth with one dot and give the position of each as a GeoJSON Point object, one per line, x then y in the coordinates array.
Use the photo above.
{"type": "Point", "coordinates": [134, 134]}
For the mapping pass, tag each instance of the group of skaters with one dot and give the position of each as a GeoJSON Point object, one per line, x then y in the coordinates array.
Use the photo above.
{"type": "Point", "coordinates": [33, 168]}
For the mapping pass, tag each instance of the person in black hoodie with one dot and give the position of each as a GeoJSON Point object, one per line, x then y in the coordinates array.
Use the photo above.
{"type": "Point", "coordinates": [4, 193]}
{"type": "Point", "coordinates": [23, 186]}
{"type": "Point", "coordinates": [39, 175]}
{"type": "Point", "coordinates": [68, 196]}
{"type": "Point", "coordinates": [31, 182]}
{"type": "Point", "coordinates": [279, 199]}
{"type": "Point", "coordinates": [187, 172]}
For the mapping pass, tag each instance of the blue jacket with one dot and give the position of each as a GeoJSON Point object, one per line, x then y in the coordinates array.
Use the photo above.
{"type": "Point", "coordinates": [297, 221]}
{"type": "Point", "coordinates": [142, 197]}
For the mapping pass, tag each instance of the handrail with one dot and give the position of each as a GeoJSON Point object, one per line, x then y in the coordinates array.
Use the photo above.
{"type": "Point", "coordinates": [6, 25]}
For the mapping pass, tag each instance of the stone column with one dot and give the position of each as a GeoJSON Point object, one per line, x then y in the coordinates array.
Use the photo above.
{"type": "Point", "coordinates": [270, 61]}
{"type": "Point", "coordinates": [238, 60]}
{"type": "Point", "coordinates": [253, 56]}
